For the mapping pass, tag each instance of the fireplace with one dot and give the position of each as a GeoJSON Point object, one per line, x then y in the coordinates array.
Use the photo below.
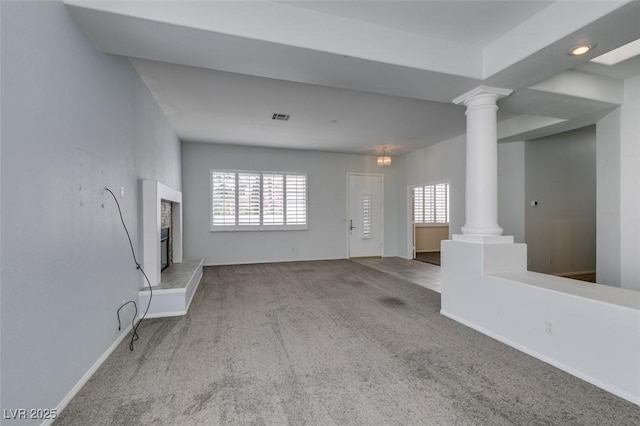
{"type": "Point", "coordinates": [161, 209]}
{"type": "Point", "coordinates": [165, 258]}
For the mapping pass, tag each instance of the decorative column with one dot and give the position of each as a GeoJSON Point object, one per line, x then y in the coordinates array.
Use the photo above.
{"type": "Point", "coordinates": [481, 196]}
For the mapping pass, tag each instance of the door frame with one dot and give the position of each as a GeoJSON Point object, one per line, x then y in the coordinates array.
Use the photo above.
{"type": "Point", "coordinates": [411, 228]}
{"type": "Point", "coordinates": [346, 222]}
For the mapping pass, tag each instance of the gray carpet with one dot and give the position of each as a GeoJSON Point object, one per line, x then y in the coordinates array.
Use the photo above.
{"type": "Point", "coordinates": [329, 342]}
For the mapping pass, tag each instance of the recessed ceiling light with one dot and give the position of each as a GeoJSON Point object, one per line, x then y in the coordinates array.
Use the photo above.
{"type": "Point", "coordinates": [581, 49]}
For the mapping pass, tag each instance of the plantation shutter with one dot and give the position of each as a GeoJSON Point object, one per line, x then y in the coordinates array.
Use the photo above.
{"type": "Point", "coordinates": [273, 199]}
{"type": "Point", "coordinates": [418, 204]}
{"type": "Point", "coordinates": [223, 196]}
{"type": "Point", "coordinates": [248, 199]}
{"type": "Point", "coordinates": [296, 199]}
{"type": "Point", "coordinates": [441, 203]}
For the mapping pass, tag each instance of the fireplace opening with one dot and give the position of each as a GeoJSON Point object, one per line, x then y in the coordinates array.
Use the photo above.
{"type": "Point", "coordinates": [164, 249]}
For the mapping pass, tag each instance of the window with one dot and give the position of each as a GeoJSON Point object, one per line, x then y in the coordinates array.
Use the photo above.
{"type": "Point", "coordinates": [248, 200]}
{"type": "Point", "coordinates": [431, 204]}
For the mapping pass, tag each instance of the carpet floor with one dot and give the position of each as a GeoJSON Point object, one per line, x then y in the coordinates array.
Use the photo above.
{"type": "Point", "coordinates": [322, 343]}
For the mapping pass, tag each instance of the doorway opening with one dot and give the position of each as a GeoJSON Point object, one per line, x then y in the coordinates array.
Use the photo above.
{"type": "Point", "coordinates": [429, 207]}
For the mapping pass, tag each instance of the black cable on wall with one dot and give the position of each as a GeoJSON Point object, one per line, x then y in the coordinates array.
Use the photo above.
{"type": "Point", "coordinates": [134, 335]}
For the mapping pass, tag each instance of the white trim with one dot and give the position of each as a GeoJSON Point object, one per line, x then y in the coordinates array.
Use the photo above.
{"type": "Point", "coordinates": [496, 92]}
{"type": "Point", "coordinates": [273, 261]}
{"type": "Point", "coordinates": [162, 291]}
{"type": "Point", "coordinates": [153, 192]}
{"type": "Point", "coordinates": [411, 229]}
{"type": "Point", "coordinates": [579, 374]}
{"type": "Point", "coordinates": [411, 226]}
{"type": "Point", "coordinates": [90, 372]}
{"type": "Point", "coordinates": [261, 227]}
{"type": "Point", "coordinates": [166, 314]}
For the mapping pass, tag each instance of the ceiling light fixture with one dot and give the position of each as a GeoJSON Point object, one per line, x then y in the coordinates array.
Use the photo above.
{"type": "Point", "coordinates": [384, 159]}
{"type": "Point", "coordinates": [581, 49]}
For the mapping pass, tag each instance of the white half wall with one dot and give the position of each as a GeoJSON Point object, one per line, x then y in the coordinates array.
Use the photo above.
{"type": "Point", "coordinates": [326, 237]}
{"type": "Point", "coordinates": [566, 323]}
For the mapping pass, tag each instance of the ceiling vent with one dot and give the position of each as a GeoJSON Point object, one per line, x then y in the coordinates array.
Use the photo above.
{"type": "Point", "coordinates": [280, 117]}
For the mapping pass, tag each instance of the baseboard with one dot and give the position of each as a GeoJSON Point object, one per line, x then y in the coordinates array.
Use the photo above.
{"type": "Point", "coordinates": [428, 251]}
{"type": "Point", "coordinates": [85, 378]}
{"type": "Point", "coordinates": [579, 374]}
{"type": "Point", "coordinates": [272, 261]}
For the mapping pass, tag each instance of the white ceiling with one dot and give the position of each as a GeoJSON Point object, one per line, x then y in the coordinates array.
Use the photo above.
{"type": "Point", "coordinates": [238, 109]}
{"type": "Point", "coordinates": [465, 22]}
{"type": "Point", "coordinates": [357, 75]}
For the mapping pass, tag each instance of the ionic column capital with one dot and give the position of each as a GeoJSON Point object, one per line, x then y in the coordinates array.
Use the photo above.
{"type": "Point", "coordinates": [483, 95]}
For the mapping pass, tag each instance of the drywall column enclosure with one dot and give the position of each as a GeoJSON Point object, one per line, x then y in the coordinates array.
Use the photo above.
{"type": "Point", "coordinates": [482, 160]}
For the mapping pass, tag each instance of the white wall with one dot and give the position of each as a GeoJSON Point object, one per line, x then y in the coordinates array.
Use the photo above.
{"type": "Point", "coordinates": [73, 121]}
{"type": "Point", "coordinates": [561, 176]}
{"type": "Point", "coordinates": [511, 196]}
{"type": "Point", "coordinates": [630, 185]}
{"type": "Point", "coordinates": [608, 199]}
{"type": "Point", "coordinates": [444, 161]}
{"type": "Point", "coordinates": [619, 192]}
{"type": "Point", "coordinates": [326, 237]}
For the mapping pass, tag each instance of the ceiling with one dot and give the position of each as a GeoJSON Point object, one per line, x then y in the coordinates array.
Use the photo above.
{"type": "Point", "coordinates": [358, 75]}
{"type": "Point", "coordinates": [465, 22]}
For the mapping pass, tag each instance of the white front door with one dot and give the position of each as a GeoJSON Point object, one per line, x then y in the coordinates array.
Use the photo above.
{"type": "Point", "coordinates": [365, 223]}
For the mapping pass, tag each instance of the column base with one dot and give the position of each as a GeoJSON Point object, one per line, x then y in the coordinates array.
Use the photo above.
{"type": "Point", "coordinates": [483, 239]}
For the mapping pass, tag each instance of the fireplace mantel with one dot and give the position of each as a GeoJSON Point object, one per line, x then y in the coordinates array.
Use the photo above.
{"type": "Point", "coordinates": [153, 192]}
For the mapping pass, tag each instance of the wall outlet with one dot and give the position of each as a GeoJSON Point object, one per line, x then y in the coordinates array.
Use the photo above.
{"type": "Point", "coordinates": [122, 192]}
{"type": "Point", "coordinates": [550, 327]}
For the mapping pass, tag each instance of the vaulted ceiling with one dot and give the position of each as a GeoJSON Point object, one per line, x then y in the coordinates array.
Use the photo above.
{"type": "Point", "coordinates": [357, 75]}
